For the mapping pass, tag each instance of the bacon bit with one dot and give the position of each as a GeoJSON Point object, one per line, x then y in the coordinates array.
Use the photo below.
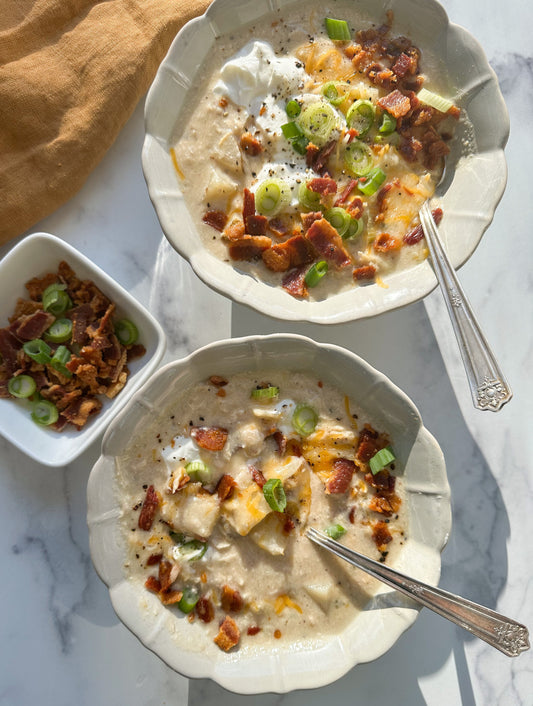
{"type": "Point", "coordinates": [294, 448]}
{"type": "Point", "coordinates": [225, 487]}
{"type": "Point", "coordinates": [277, 227]}
{"type": "Point", "coordinates": [251, 145]}
{"type": "Point", "coordinates": [168, 573]}
{"type": "Point", "coordinates": [221, 393]}
{"type": "Point", "coordinates": [385, 242]}
{"type": "Point", "coordinates": [253, 630]}
{"type": "Point", "coordinates": [257, 476]}
{"type": "Point", "coordinates": [339, 481]}
{"type": "Point", "coordinates": [235, 231]}
{"type": "Point", "coordinates": [230, 600]}
{"type": "Point", "coordinates": [417, 233]}
{"type": "Point", "coordinates": [218, 380]}
{"type": "Point", "coordinates": [149, 508]}
{"type": "Point", "coordinates": [309, 218]}
{"type": "Point", "coordinates": [410, 147]}
{"type": "Point", "coordinates": [152, 584]}
{"type": "Point", "coordinates": [364, 272]}
{"type": "Point", "coordinates": [380, 504]}
{"type": "Point", "coordinates": [351, 515]}
{"type": "Point", "coordinates": [352, 133]}
{"type": "Point", "coordinates": [382, 193]}
{"type": "Point", "coordinates": [322, 185]}
{"type": "Point", "coordinates": [256, 225]}
{"type": "Point", "coordinates": [210, 438]}
{"type": "Point", "coordinates": [205, 609]}
{"type": "Point", "coordinates": [223, 102]}
{"type": "Point", "coordinates": [328, 243]}
{"type": "Point", "coordinates": [228, 635]}
{"type": "Point", "coordinates": [381, 534]}
{"type": "Point", "coordinates": [248, 204]}
{"type": "Point", "coordinates": [395, 103]}
{"type": "Point", "coordinates": [170, 597]}
{"type": "Point", "coordinates": [367, 444]}
{"type": "Point", "coordinates": [153, 559]}
{"type": "Point", "coordinates": [277, 634]}
{"type": "Point", "coordinates": [383, 481]}
{"type": "Point", "coordinates": [216, 219]}
{"type": "Point", "coordinates": [294, 252]}
{"type": "Point", "coordinates": [317, 159]}
{"type": "Point", "coordinates": [249, 247]}
{"type": "Point", "coordinates": [355, 207]}
{"type": "Point", "coordinates": [281, 442]}
{"type": "Point", "coordinates": [294, 282]}
{"type": "Point", "coordinates": [32, 326]}
{"type": "Point", "coordinates": [346, 192]}
{"type": "Point", "coordinates": [404, 65]}
{"type": "Point", "coordinates": [288, 522]}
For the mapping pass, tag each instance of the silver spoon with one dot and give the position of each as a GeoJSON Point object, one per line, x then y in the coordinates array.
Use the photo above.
{"type": "Point", "coordinates": [488, 386]}
{"type": "Point", "coordinates": [504, 634]}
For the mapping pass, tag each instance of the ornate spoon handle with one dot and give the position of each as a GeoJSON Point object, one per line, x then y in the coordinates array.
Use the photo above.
{"type": "Point", "coordinates": [506, 635]}
{"type": "Point", "coordinates": [488, 386]}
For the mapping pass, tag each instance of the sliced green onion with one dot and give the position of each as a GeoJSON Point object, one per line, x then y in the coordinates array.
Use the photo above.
{"type": "Point", "coordinates": [60, 331]}
{"type": "Point", "coordinates": [381, 459]}
{"type": "Point", "coordinates": [271, 196]}
{"type": "Point", "coordinates": [304, 419]}
{"type": "Point", "coordinates": [358, 158]}
{"type": "Point", "coordinates": [126, 332]}
{"type": "Point", "coordinates": [291, 130]}
{"type": "Point", "coordinates": [198, 471]}
{"type": "Point", "coordinates": [355, 228]}
{"type": "Point", "coordinates": [177, 537]}
{"type": "Point", "coordinates": [307, 198]}
{"type": "Point", "coordinates": [318, 121]}
{"type": "Point", "coordinates": [59, 360]}
{"type": "Point", "coordinates": [434, 100]}
{"type": "Point", "coordinates": [265, 393]}
{"type": "Point", "coordinates": [21, 386]}
{"type": "Point", "coordinates": [339, 218]}
{"type": "Point", "coordinates": [361, 116]}
{"type": "Point", "coordinates": [38, 350]}
{"type": "Point", "coordinates": [337, 29]}
{"type": "Point", "coordinates": [373, 180]}
{"type": "Point", "coordinates": [44, 413]}
{"type": "Point", "coordinates": [388, 124]}
{"type": "Point", "coordinates": [193, 549]}
{"type": "Point", "coordinates": [55, 299]}
{"type": "Point", "coordinates": [275, 495]}
{"type": "Point", "coordinates": [293, 109]}
{"type": "Point", "coordinates": [315, 273]}
{"type": "Point", "coordinates": [331, 92]}
{"type": "Point", "coordinates": [335, 531]}
{"type": "Point", "coordinates": [189, 599]}
{"type": "Point", "coordinates": [300, 144]}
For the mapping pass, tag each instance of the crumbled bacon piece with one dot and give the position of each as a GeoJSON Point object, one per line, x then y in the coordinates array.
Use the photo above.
{"type": "Point", "coordinates": [417, 233]}
{"type": "Point", "coordinates": [218, 380]}
{"type": "Point", "coordinates": [351, 515]}
{"type": "Point", "coordinates": [253, 630]}
{"type": "Point", "coordinates": [235, 231]}
{"type": "Point", "coordinates": [294, 282]}
{"type": "Point", "coordinates": [249, 247]}
{"type": "Point", "coordinates": [205, 610]}
{"type": "Point", "coordinates": [168, 573]}
{"type": "Point", "coordinates": [281, 442]}
{"type": "Point", "coordinates": [228, 635]}
{"type": "Point", "coordinates": [215, 219]}
{"type": "Point", "coordinates": [322, 185]}
{"type": "Point", "coordinates": [32, 326]}
{"type": "Point", "coordinates": [364, 272]}
{"type": "Point", "coordinates": [149, 508]}
{"type": "Point", "coordinates": [410, 147]}
{"type": "Point", "coordinates": [341, 200]}
{"type": "Point", "coordinates": [81, 409]}
{"type": "Point", "coordinates": [170, 597]}
{"type": "Point", "coordinates": [256, 225]}
{"type": "Point", "coordinates": [288, 523]}
{"type": "Point", "coordinates": [248, 204]}
{"type": "Point", "coordinates": [381, 534]}
{"type": "Point", "coordinates": [385, 243]}
{"type": "Point", "coordinates": [251, 145]}
{"type": "Point", "coordinates": [230, 600]}
{"type": "Point", "coordinates": [328, 243]}
{"type": "Point", "coordinates": [225, 487]}
{"type": "Point", "coordinates": [395, 103]}
{"type": "Point", "coordinates": [404, 64]}
{"type": "Point", "coordinates": [341, 477]}
{"type": "Point", "coordinates": [278, 227]}
{"type": "Point", "coordinates": [210, 438]}
{"type": "Point", "coordinates": [309, 218]}
{"type": "Point", "coordinates": [317, 159]}
{"type": "Point", "coordinates": [152, 584]}
{"type": "Point", "coordinates": [367, 444]}
{"type": "Point", "coordinates": [257, 475]}
{"type": "Point", "coordinates": [293, 252]}
{"type": "Point", "coordinates": [154, 559]}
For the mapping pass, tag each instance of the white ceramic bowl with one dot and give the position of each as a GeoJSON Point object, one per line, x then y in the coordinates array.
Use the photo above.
{"type": "Point", "coordinates": [387, 615]}
{"type": "Point", "coordinates": [34, 256]}
{"type": "Point", "coordinates": [477, 180]}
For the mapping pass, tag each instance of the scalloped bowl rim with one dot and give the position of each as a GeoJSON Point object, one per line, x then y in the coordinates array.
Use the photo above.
{"type": "Point", "coordinates": [427, 496]}
{"type": "Point", "coordinates": [486, 171]}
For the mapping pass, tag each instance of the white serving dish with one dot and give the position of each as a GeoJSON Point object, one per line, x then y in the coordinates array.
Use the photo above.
{"type": "Point", "coordinates": [34, 256]}
{"type": "Point", "coordinates": [469, 203]}
{"type": "Point", "coordinates": [387, 615]}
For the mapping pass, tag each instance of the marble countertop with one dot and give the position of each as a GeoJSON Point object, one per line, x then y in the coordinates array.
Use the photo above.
{"type": "Point", "coordinates": [62, 643]}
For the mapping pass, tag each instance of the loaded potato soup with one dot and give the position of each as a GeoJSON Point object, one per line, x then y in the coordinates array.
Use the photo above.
{"type": "Point", "coordinates": [313, 147]}
{"type": "Point", "coordinates": [217, 493]}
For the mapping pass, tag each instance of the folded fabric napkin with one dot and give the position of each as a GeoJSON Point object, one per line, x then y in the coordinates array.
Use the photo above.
{"type": "Point", "coordinates": [71, 73]}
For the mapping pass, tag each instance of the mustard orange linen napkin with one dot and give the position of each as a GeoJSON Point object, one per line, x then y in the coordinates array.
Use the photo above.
{"type": "Point", "coordinates": [71, 73]}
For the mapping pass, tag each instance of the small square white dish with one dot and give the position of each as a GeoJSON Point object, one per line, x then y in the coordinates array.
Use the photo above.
{"type": "Point", "coordinates": [34, 256]}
